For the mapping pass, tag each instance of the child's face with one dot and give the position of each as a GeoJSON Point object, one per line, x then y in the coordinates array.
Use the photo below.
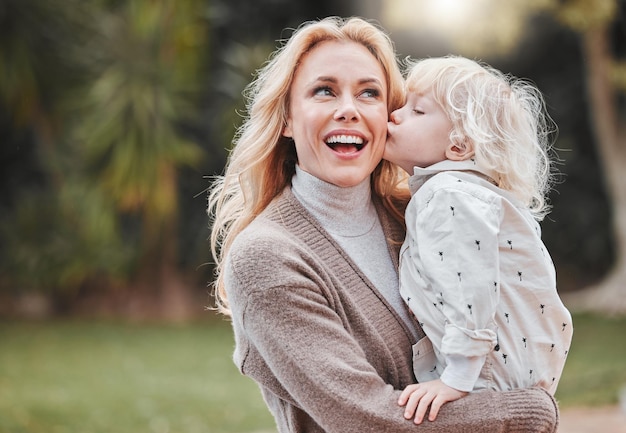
{"type": "Point", "coordinates": [418, 133]}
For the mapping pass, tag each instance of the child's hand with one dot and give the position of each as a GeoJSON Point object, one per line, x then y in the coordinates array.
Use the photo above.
{"type": "Point", "coordinates": [419, 396]}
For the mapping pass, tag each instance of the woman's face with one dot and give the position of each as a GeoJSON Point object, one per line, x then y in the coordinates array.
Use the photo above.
{"type": "Point", "coordinates": [338, 112]}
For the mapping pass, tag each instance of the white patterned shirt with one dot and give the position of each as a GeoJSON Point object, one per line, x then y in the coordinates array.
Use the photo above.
{"type": "Point", "coordinates": [474, 271]}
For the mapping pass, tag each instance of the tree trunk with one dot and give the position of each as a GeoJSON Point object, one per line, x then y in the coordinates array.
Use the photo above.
{"type": "Point", "coordinates": [176, 297]}
{"type": "Point", "coordinates": [608, 296]}
{"type": "Point", "coordinates": [167, 295]}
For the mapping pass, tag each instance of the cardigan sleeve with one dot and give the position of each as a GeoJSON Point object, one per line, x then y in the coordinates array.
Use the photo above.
{"type": "Point", "coordinates": [294, 341]}
{"type": "Point", "coordinates": [314, 365]}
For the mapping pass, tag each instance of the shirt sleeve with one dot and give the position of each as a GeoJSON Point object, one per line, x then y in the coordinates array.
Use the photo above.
{"type": "Point", "coordinates": [458, 244]}
{"type": "Point", "coordinates": [461, 372]}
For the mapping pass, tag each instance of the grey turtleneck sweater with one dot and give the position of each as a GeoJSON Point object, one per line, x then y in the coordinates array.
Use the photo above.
{"type": "Point", "coordinates": [349, 216]}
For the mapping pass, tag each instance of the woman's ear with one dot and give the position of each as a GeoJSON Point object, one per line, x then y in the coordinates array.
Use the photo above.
{"type": "Point", "coordinates": [460, 151]}
{"type": "Point", "coordinates": [287, 132]}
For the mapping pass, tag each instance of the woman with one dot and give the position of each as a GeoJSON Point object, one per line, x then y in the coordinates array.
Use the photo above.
{"type": "Point", "coordinates": [307, 226]}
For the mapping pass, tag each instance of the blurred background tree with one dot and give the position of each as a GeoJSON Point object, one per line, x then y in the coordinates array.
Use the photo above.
{"type": "Point", "coordinates": [58, 234]}
{"type": "Point", "coordinates": [114, 113]}
{"type": "Point", "coordinates": [144, 62]}
{"type": "Point", "coordinates": [124, 77]}
{"type": "Point", "coordinates": [602, 44]}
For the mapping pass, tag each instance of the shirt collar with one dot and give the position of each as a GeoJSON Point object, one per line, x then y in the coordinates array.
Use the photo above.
{"type": "Point", "coordinates": [421, 175]}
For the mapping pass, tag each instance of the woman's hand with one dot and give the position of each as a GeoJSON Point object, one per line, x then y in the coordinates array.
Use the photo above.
{"type": "Point", "coordinates": [419, 396]}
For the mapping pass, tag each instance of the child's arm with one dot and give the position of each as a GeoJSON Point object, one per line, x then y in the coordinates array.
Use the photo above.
{"type": "Point", "coordinates": [459, 251]}
{"type": "Point", "coordinates": [419, 396]}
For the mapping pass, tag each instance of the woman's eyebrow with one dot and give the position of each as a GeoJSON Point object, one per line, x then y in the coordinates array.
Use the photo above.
{"type": "Point", "coordinates": [325, 79]}
{"type": "Point", "coordinates": [370, 80]}
{"type": "Point", "coordinates": [334, 80]}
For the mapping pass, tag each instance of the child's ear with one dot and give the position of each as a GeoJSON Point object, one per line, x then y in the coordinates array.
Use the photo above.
{"type": "Point", "coordinates": [460, 151]}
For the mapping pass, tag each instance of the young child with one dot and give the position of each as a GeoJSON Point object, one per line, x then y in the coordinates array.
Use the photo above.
{"type": "Point", "coordinates": [473, 269]}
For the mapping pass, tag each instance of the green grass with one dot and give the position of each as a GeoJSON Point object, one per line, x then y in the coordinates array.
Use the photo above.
{"type": "Point", "coordinates": [595, 371]}
{"type": "Point", "coordinates": [82, 377]}
{"type": "Point", "coordinates": [87, 377]}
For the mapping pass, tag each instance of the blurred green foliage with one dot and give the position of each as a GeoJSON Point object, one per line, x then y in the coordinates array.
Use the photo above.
{"type": "Point", "coordinates": [105, 88]}
{"type": "Point", "coordinates": [115, 114]}
{"type": "Point", "coordinates": [79, 240]}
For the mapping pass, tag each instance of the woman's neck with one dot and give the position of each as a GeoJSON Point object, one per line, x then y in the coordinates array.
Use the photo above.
{"type": "Point", "coordinates": [343, 211]}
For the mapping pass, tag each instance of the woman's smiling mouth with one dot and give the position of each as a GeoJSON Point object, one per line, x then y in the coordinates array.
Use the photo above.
{"type": "Point", "coordinates": [345, 143]}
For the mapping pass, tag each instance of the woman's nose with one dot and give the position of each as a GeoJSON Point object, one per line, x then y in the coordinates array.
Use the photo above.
{"type": "Point", "coordinates": [346, 109]}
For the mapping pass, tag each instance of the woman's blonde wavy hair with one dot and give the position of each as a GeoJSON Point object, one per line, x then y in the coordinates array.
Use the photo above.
{"type": "Point", "coordinates": [503, 116]}
{"type": "Point", "coordinates": [262, 161]}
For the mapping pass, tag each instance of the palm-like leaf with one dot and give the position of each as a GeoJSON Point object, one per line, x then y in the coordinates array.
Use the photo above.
{"type": "Point", "coordinates": [130, 130]}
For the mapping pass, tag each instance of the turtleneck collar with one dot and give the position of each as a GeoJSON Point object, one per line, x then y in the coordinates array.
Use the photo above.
{"type": "Point", "coordinates": [343, 211]}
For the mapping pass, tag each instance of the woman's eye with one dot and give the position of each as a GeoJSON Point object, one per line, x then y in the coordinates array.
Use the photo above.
{"type": "Point", "coordinates": [371, 93]}
{"type": "Point", "coordinates": [323, 91]}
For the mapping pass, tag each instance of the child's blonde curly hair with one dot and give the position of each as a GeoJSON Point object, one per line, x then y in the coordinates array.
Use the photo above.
{"type": "Point", "coordinates": [504, 117]}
